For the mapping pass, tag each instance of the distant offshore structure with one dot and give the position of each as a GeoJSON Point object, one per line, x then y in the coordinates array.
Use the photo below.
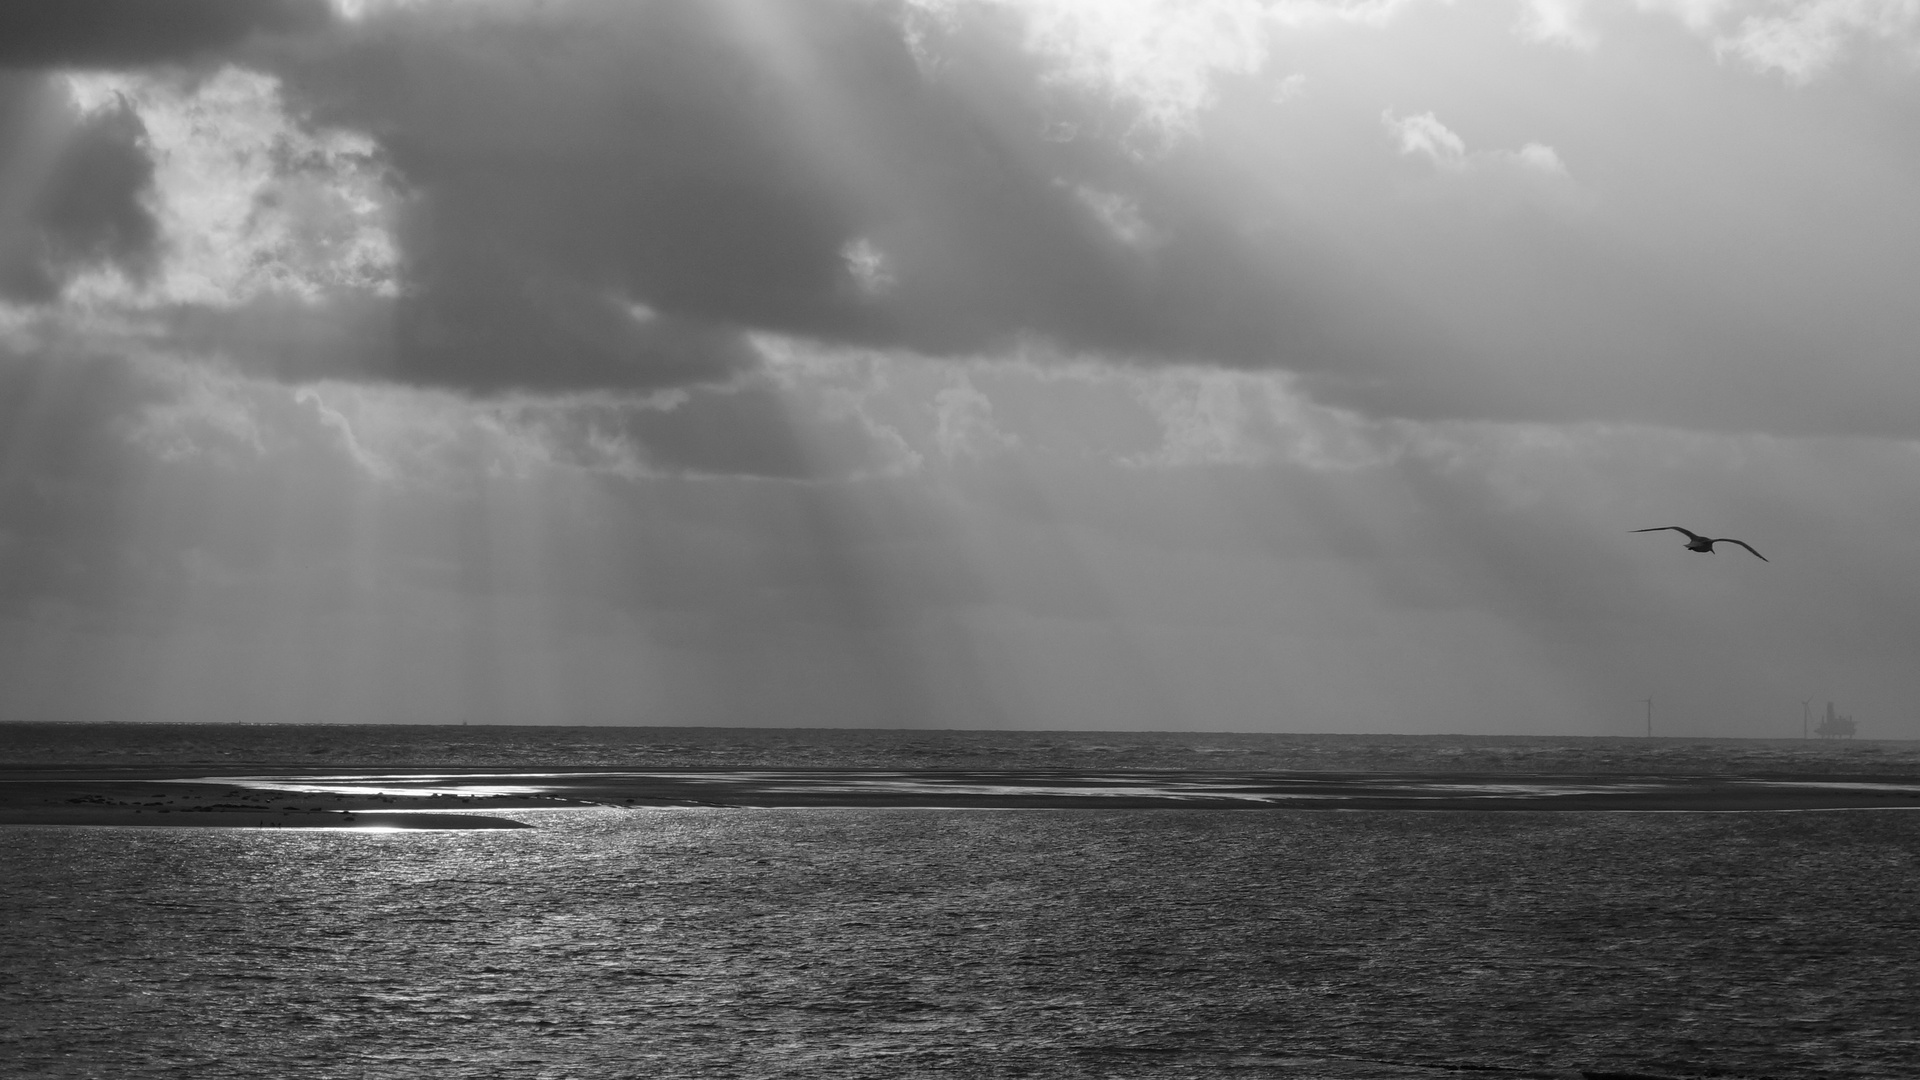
{"type": "Point", "coordinates": [1835, 726]}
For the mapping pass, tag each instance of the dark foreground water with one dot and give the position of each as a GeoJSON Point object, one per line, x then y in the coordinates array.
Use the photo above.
{"type": "Point", "coordinates": [988, 943]}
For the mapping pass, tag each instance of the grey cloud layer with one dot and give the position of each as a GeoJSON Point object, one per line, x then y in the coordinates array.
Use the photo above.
{"type": "Point", "coordinates": [610, 194]}
{"type": "Point", "coordinates": [80, 203]}
{"type": "Point", "coordinates": [84, 178]}
{"type": "Point", "coordinates": [564, 164]}
{"type": "Point", "coordinates": [115, 33]}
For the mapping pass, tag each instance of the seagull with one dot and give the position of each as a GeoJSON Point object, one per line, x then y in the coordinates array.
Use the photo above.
{"type": "Point", "coordinates": [1696, 542]}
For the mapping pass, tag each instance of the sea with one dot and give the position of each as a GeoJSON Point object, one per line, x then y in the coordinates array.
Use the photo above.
{"type": "Point", "coordinates": [731, 942]}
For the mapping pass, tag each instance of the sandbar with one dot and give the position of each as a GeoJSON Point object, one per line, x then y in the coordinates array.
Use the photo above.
{"type": "Point", "coordinates": [179, 801]}
{"type": "Point", "coordinates": [462, 798]}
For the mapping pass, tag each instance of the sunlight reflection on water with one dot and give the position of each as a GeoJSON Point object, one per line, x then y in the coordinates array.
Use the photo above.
{"type": "Point", "coordinates": [863, 942]}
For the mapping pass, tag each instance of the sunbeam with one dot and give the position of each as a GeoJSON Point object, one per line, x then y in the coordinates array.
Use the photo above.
{"type": "Point", "coordinates": [969, 363]}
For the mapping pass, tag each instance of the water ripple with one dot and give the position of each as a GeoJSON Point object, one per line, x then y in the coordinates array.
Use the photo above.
{"type": "Point", "coordinates": [890, 943]}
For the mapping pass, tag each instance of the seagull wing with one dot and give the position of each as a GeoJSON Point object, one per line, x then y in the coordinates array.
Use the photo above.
{"type": "Point", "coordinates": [1742, 543]}
{"type": "Point", "coordinates": [1691, 535]}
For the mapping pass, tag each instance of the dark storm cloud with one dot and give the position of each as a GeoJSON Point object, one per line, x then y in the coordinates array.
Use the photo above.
{"type": "Point", "coordinates": [715, 165]}
{"type": "Point", "coordinates": [118, 33]}
{"type": "Point", "coordinates": [80, 182]}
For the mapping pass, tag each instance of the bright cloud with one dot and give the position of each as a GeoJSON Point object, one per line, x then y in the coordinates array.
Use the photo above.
{"type": "Point", "coordinates": [964, 425]}
{"type": "Point", "coordinates": [1423, 135]}
{"type": "Point", "coordinates": [1800, 40]}
{"type": "Point", "coordinates": [249, 202]}
{"type": "Point", "coordinates": [868, 265]}
{"type": "Point", "coordinates": [1557, 22]}
{"type": "Point", "coordinates": [1120, 216]}
{"type": "Point", "coordinates": [1237, 418]}
{"type": "Point", "coordinates": [1161, 57]}
{"type": "Point", "coordinates": [1540, 158]}
{"type": "Point", "coordinates": [206, 417]}
{"type": "Point", "coordinates": [1805, 40]}
{"type": "Point", "coordinates": [1364, 13]}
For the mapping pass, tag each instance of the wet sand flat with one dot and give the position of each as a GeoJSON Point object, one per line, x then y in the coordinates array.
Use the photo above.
{"type": "Point", "coordinates": [1204, 790]}
{"type": "Point", "coordinates": [168, 799]}
{"type": "Point", "coordinates": [459, 798]}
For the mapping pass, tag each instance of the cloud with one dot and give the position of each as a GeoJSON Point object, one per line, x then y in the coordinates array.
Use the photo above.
{"type": "Point", "coordinates": [1366, 13]}
{"type": "Point", "coordinates": [1803, 40]}
{"type": "Point", "coordinates": [247, 202]}
{"type": "Point", "coordinates": [1289, 88]}
{"type": "Point", "coordinates": [276, 249]}
{"type": "Point", "coordinates": [118, 33]}
{"type": "Point", "coordinates": [1557, 22]}
{"type": "Point", "coordinates": [807, 169]}
{"type": "Point", "coordinates": [1423, 135]}
{"type": "Point", "coordinates": [75, 189]}
{"type": "Point", "coordinates": [965, 425]}
{"type": "Point", "coordinates": [656, 160]}
{"type": "Point", "coordinates": [1162, 58]}
{"type": "Point", "coordinates": [849, 361]}
{"type": "Point", "coordinates": [1540, 158]}
{"type": "Point", "coordinates": [913, 412]}
{"type": "Point", "coordinates": [206, 418]}
{"type": "Point", "coordinates": [1121, 218]}
{"type": "Point", "coordinates": [1250, 419]}
{"type": "Point", "coordinates": [505, 199]}
{"type": "Point", "coordinates": [806, 416]}
{"type": "Point", "coordinates": [868, 265]}
{"type": "Point", "coordinates": [414, 195]}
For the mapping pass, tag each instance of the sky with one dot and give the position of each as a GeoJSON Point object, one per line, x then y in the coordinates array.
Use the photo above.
{"type": "Point", "coordinates": [1298, 365]}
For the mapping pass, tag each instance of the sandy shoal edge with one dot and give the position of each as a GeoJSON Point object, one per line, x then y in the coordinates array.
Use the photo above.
{"type": "Point", "coordinates": [48, 800]}
{"type": "Point", "coordinates": [1542, 805]}
{"type": "Point", "coordinates": [225, 819]}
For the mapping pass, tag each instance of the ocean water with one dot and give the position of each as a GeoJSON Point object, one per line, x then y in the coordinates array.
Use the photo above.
{"type": "Point", "coordinates": [727, 942]}
{"type": "Point", "coordinates": [510, 747]}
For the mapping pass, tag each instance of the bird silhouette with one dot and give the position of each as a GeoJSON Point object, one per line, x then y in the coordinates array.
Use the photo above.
{"type": "Point", "coordinates": [1696, 542]}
